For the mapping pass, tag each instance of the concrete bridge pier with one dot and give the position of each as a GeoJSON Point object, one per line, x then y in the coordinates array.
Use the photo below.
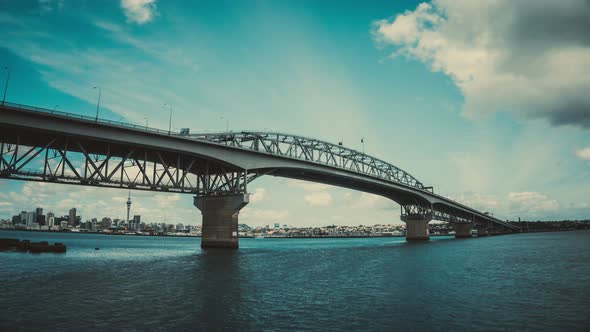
{"type": "Point", "coordinates": [416, 227]}
{"type": "Point", "coordinates": [482, 230]}
{"type": "Point", "coordinates": [220, 219]}
{"type": "Point", "coordinates": [463, 230]}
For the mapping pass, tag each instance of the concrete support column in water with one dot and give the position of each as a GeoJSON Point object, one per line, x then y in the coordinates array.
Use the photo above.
{"type": "Point", "coordinates": [416, 227]}
{"type": "Point", "coordinates": [463, 230]}
{"type": "Point", "coordinates": [482, 230]}
{"type": "Point", "coordinates": [220, 219]}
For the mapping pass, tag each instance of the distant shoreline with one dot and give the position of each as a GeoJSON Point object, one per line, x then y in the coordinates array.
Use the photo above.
{"type": "Point", "coordinates": [96, 233]}
{"type": "Point", "coordinates": [276, 237]}
{"type": "Point", "coordinates": [241, 237]}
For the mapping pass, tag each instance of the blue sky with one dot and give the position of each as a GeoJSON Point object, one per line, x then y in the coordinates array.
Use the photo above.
{"type": "Point", "coordinates": [470, 117]}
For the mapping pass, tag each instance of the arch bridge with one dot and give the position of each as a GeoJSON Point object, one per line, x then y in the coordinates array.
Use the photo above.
{"type": "Point", "coordinates": [45, 145]}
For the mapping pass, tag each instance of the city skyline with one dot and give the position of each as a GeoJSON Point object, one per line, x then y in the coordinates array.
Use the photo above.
{"type": "Point", "coordinates": [339, 80]}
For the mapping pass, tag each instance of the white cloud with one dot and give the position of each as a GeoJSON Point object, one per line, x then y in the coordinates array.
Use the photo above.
{"type": "Point", "coordinates": [307, 186]}
{"type": "Point", "coordinates": [319, 198]}
{"type": "Point", "coordinates": [584, 153]}
{"type": "Point", "coordinates": [364, 200]}
{"type": "Point", "coordinates": [260, 216]}
{"type": "Point", "coordinates": [259, 195]}
{"type": "Point", "coordinates": [531, 203]}
{"type": "Point", "coordinates": [50, 5]}
{"type": "Point", "coordinates": [139, 11]}
{"type": "Point", "coordinates": [530, 58]}
{"type": "Point", "coordinates": [83, 66]}
{"type": "Point", "coordinates": [482, 202]}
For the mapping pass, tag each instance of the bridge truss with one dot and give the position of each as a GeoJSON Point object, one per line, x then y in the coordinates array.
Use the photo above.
{"type": "Point", "coordinates": [74, 161]}
{"type": "Point", "coordinates": [316, 151]}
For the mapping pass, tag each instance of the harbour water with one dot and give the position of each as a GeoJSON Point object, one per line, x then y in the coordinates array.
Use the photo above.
{"type": "Point", "coordinates": [521, 282]}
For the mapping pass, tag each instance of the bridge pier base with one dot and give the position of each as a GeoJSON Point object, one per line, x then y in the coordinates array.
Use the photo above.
{"type": "Point", "coordinates": [220, 219]}
{"type": "Point", "coordinates": [463, 230]}
{"type": "Point", "coordinates": [416, 228]}
{"type": "Point", "coordinates": [482, 230]}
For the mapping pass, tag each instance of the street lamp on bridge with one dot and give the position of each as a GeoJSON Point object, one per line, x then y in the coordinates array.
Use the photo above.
{"type": "Point", "coordinates": [226, 123]}
{"type": "Point", "coordinates": [6, 84]}
{"type": "Point", "coordinates": [98, 104]}
{"type": "Point", "coordinates": [170, 123]}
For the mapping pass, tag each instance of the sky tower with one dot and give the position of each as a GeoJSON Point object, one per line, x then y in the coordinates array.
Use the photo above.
{"type": "Point", "coordinates": [128, 206]}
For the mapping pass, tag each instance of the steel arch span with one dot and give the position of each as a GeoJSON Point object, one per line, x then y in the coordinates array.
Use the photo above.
{"type": "Point", "coordinates": [44, 145]}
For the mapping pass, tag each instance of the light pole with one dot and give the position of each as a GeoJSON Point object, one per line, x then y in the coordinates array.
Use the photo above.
{"type": "Point", "coordinates": [55, 107]}
{"type": "Point", "coordinates": [6, 84]}
{"type": "Point", "coordinates": [146, 123]}
{"type": "Point", "coordinates": [363, 141]}
{"type": "Point", "coordinates": [226, 123]}
{"type": "Point", "coordinates": [98, 104]}
{"type": "Point", "coordinates": [170, 123]}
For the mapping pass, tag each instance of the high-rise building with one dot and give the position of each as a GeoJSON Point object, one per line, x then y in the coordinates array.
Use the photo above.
{"type": "Point", "coordinates": [38, 212]}
{"type": "Point", "coordinates": [30, 218]}
{"type": "Point", "coordinates": [40, 219]}
{"type": "Point", "coordinates": [49, 216]}
{"type": "Point", "coordinates": [72, 217]}
{"type": "Point", "coordinates": [23, 217]}
{"type": "Point", "coordinates": [136, 221]}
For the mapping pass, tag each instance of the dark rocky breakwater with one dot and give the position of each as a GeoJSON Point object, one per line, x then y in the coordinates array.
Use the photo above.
{"type": "Point", "coordinates": [33, 247]}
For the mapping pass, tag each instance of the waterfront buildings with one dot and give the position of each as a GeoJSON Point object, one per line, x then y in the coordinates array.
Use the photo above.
{"type": "Point", "coordinates": [72, 217]}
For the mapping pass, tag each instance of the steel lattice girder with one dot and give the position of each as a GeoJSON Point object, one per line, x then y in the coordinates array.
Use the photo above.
{"type": "Point", "coordinates": [313, 150]}
{"type": "Point", "coordinates": [70, 160]}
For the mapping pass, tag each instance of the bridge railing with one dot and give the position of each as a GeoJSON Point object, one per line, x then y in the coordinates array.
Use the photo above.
{"type": "Point", "coordinates": [88, 118]}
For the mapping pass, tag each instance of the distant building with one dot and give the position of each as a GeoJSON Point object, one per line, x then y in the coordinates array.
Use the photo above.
{"type": "Point", "coordinates": [58, 220]}
{"type": "Point", "coordinates": [40, 219]}
{"type": "Point", "coordinates": [277, 225]}
{"type": "Point", "coordinates": [136, 222]}
{"type": "Point", "coordinates": [49, 216]}
{"type": "Point", "coordinates": [30, 219]}
{"type": "Point", "coordinates": [23, 217]}
{"type": "Point", "coordinates": [106, 223]}
{"type": "Point", "coordinates": [72, 217]}
{"type": "Point", "coordinates": [38, 212]}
